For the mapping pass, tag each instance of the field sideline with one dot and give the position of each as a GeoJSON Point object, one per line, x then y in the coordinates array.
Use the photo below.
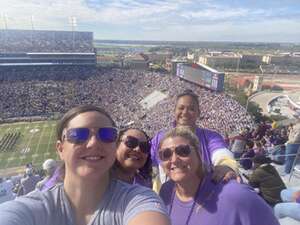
{"type": "Point", "coordinates": [36, 143]}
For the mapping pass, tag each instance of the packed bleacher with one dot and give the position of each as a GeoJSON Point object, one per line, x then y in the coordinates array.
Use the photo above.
{"type": "Point", "coordinates": [45, 91]}
{"type": "Point", "coordinates": [40, 91]}
{"type": "Point", "coordinates": [19, 41]}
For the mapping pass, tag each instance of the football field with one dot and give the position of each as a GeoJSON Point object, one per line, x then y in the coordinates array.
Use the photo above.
{"type": "Point", "coordinates": [36, 143]}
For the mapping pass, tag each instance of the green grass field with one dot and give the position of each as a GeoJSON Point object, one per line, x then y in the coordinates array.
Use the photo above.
{"type": "Point", "coordinates": [36, 143]}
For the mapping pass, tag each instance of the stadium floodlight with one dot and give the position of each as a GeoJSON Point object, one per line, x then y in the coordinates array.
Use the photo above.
{"type": "Point", "coordinates": [4, 17]}
{"type": "Point", "coordinates": [73, 22]}
{"type": "Point", "coordinates": [32, 24]}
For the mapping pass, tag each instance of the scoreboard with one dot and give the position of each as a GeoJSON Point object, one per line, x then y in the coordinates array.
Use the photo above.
{"type": "Point", "coordinates": [202, 75]}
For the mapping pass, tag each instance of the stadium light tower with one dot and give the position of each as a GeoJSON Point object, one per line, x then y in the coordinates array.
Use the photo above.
{"type": "Point", "coordinates": [73, 22]}
{"type": "Point", "coordinates": [32, 23]}
{"type": "Point", "coordinates": [4, 17]}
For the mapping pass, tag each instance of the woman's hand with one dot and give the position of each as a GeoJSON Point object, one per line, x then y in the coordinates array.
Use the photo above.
{"type": "Point", "coordinates": [224, 174]}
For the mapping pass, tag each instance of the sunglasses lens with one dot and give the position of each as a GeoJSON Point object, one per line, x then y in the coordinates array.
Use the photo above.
{"type": "Point", "coordinates": [108, 134]}
{"type": "Point", "coordinates": [165, 154]}
{"type": "Point", "coordinates": [131, 142]}
{"type": "Point", "coordinates": [145, 147]}
{"type": "Point", "coordinates": [77, 135]}
{"type": "Point", "coordinates": [183, 150]}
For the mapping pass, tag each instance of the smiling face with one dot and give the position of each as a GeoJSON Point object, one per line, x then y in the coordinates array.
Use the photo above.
{"type": "Point", "coordinates": [93, 158]}
{"type": "Point", "coordinates": [131, 159]}
{"type": "Point", "coordinates": [180, 169]}
{"type": "Point", "coordinates": [186, 111]}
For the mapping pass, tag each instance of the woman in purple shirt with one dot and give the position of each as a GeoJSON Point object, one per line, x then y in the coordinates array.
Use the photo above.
{"type": "Point", "coordinates": [133, 162]}
{"type": "Point", "coordinates": [213, 149]}
{"type": "Point", "coordinates": [192, 198]}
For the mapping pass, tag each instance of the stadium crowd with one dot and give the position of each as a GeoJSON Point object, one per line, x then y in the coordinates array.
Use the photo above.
{"type": "Point", "coordinates": [262, 140]}
{"type": "Point", "coordinates": [49, 91]}
{"type": "Point", "coordinates": [20, 41]}
{"type": "Point", "coordinates": [39, 91]}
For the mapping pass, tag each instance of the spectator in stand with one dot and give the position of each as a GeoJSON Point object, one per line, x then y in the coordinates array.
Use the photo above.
{"type": "Point", "coordinates": [268, 140]}
{"type": "Point", "coordinates": [260, 130]}
{"type": "Point", "coordinates": [292, 147]}
{"type": "Point", "coordinates": [6, 190]}
{"type": "Point", "coordinates": [238, 144]}
{"type": "Point", "coordinates": [258, 148]}
{"type": "Point", "coordinates": [133, 161]}
{"type": "Point", "coordinates": [266, 178]}
{"type": "Point", "coordinates": [278, 139]}
{"type": "Point", "coordinates": [86, 143]}
{"type": "Point", "coordinates": [57, 177]}
{"type": "Point", "coordinates": [247, 133]}
{"type": "Point", "coordinates": [213, 148]}
{"type": "Point", "coordinates": [49, 166]}
{"type": "Point", "coordinates": [290, 207]}
{"type": "Point", "coordinates": [193, 198]}
{"type": "Point", "coordinates": [246, 158]}
{"type": "Point", "coordinates": [29, 182]}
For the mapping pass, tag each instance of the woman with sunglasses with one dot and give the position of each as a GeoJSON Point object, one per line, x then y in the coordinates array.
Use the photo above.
{"type": "Point", "coordinates": [192, 198]}
{"type": "Point", "coordinates": [133, 162]}
{"type": "Point", "coordinates": [86, 143]}
{"type": "Point", "coordinates": [214, 149]}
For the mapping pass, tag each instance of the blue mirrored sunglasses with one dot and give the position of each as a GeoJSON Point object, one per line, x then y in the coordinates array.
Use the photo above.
{"type": "Point", "coordinates": [82, 134]}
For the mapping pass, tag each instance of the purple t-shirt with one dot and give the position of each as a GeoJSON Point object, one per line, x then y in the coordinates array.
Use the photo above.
{"type": "Point", "coordinates": [218, 204]}
{"type": "Point", "coordinates": [209, 142]}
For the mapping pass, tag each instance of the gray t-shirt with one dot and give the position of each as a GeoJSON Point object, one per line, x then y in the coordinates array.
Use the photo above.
{"type": "Point", "coordinates": [121, 202]}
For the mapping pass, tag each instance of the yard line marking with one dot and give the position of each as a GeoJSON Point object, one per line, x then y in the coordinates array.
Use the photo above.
{"type": "Point", "coordinates": [39, 142]}
{"type": "Point", "coordinates": [50, 138]}
{"type": "Point", "coordinates": [29, 142]}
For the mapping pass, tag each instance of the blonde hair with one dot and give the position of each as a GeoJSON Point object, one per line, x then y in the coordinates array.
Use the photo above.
{"type": "Point", "coordinates": [184, 132]}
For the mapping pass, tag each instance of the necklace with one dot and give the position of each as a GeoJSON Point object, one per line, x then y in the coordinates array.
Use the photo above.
{"type": "Point", "coordinates": [199, 206]}
{"type": "Point", "coordinates": [193, 205]}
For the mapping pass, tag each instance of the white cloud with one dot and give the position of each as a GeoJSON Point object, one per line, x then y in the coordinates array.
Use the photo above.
{"type": "Point", "coordinates": [215, 14]}
{"type": "Point", "coordinates": [169, 19]}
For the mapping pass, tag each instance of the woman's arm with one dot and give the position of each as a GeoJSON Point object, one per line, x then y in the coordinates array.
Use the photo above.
{"type": "Point", "coordinates": [150, 218]}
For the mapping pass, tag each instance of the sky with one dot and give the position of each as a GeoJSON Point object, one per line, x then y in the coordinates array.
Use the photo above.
{"type": "Point", "coordinates": [169, 20]}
